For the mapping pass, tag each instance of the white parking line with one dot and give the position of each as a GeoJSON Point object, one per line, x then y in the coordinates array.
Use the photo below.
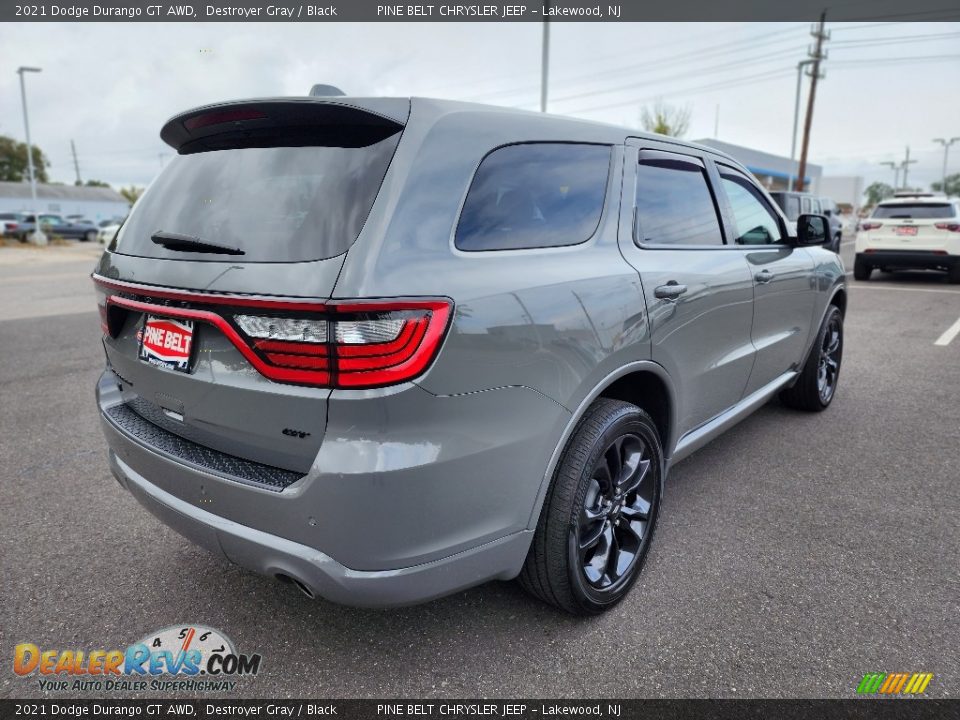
{"type": "Point", "coordinates": [950, 333]}
{"type": "Point", "coordinates": [861, 286]}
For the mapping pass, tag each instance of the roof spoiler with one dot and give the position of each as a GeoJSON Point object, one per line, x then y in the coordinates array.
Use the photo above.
{"type": "Point", "coordinates": [285, 122]}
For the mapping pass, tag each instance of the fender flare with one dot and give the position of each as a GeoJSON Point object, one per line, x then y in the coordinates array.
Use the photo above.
{"type": "Point", "coordinates": [580, 411]}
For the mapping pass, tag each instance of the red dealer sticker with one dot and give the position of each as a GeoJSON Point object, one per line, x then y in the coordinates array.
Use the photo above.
{"type": "Point", "coordinates": [166, 342]}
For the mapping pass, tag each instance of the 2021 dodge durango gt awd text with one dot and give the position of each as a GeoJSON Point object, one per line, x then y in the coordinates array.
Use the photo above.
{"type": "Point", "coordinates": [387, 349]}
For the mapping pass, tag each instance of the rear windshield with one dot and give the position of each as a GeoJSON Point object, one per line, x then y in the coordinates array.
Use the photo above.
{"type": "Point", "coordinates": [919, 211]}
{"type": "Point", "coordinates": [276, 204]}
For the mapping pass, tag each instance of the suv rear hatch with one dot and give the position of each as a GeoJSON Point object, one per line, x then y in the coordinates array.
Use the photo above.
{"type": "Point", "coordinates": [918, 226]}
{"type": "Point", "coordinates": [213, 293]}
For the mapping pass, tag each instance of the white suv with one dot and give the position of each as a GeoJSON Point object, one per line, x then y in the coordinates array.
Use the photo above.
{"type": "Point", "coordinates": [915, 230]}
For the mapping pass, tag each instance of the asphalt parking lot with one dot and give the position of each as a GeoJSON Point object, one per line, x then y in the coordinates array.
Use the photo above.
{"type": "Point", "coordinates": [794, 554]}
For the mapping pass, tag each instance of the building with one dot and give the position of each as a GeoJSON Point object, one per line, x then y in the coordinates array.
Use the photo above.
{"type": "Point", "coordinates": [845, 190]}
{"type": "Point", "coordinates": [93, 203]}
{"type": "Point", "coordinates": [773, 171]}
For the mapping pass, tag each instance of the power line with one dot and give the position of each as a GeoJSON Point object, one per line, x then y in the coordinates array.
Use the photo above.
{"type": "Point", "coordinates": [682, 75]}
{"type": "Point", "coordinates": [722, 85]}
{"type": "Point", "coordinates": [722, 49]}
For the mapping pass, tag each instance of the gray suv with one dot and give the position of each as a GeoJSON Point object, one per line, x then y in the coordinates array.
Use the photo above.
{"type": "Point", "coordinates": [387, 349]}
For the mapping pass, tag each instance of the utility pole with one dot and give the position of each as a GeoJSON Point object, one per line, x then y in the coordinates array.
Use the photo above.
{"type": "Point", "coordinates": [905, 165]}
{"type": "Point", "coordinates": [818, 55]}
{"type": "Point", "coordinates": [38, 237]}
{"type": "Point", "coordinates": [544, 60]}
{"type": "Point", "coordinates": [796, 119]}
{"type": "Point", "coordinates": [896, 172]}
{"type": "Point", "coordinates": [76, 164]}
{"type": "Point", "coordinates": [946, 149]}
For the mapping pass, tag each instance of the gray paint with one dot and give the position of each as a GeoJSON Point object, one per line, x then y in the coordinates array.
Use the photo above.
{"type": "Point", "coordinates": [450, 470]}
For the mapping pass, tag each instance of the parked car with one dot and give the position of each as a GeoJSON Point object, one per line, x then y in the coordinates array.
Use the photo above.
{"type": "Point", "coordinates": [106, 232]}
{"type": "Point", "coordinates": [117, 220]}
{"type": "Point", "coordinates": [58, 226]}
{"type": "Point", "coordinates": [794, 204]}
{"type": "Point", "coordinates": [9, 223]}
{"type": "Point", "coordinates": [477, 358]}
{"type": "Point", "coordinates": [910, 231]}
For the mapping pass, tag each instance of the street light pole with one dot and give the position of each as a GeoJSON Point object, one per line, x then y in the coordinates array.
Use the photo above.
{"type": "Point", "coordinates": [946, 149]}
{"type": "Point", "coordinates": [796, 121]}
{"type": "Point", "coordinates": [545, 61]}
{"type": "Point", "coordinates": [38, 237]}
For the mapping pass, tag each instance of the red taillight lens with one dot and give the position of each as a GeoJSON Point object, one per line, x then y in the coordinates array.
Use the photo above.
{"type": "Point", "coordinates": [952, 227]}
{"type": "Point", "coordinates": [340, 344]}
{"type": "Point", "coordinates": [870, 225]}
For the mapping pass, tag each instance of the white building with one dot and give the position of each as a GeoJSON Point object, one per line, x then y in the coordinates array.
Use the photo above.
{"type": "Point", "coordinates": [93, 203]}
{"type": "Point", "coordinates": [844, 189]}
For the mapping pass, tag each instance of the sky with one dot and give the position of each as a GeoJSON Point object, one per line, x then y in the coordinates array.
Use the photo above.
{"type": "Point", "coordinates": [110, 86]}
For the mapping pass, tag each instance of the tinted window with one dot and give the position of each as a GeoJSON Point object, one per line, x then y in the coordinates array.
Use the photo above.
{"type": "Point", "coordinates": [755, 222]}
{"type": "Point", "coordinates": [535, 195]}
{"type": "Point", "coordinates": [919, 211]}
{"type": "Point", "coordinates": [792, 208]}
{"type": "Point", "coordinates": [277, 204]}
{"type": "Point", "coordinates": [674, 205]}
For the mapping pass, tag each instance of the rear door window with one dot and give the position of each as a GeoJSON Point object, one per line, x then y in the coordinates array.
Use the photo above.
{"type": "Point", "coordinates": [276, 204]}
{"type": "Point", "coordinates": [918, 211]}
{"type": "Point", "coordinates": [535, 195]}
{"type": "Point", "coordinates": [674, 203]}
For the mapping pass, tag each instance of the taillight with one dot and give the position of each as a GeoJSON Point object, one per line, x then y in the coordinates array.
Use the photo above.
{"type": "Point", "coordinates": [338, 344]}
{"type": "Point", "coordinates": [870, 225]}
{"type": "Point", "coordinates": [952, 227]}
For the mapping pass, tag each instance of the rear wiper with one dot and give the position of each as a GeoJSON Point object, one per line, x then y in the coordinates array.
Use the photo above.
{"type": "Point", "coordinates": [186, 243]}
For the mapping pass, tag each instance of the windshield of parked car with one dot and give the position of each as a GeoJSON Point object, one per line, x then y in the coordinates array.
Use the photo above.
{"type": "Point", "coordinates": [916, 211]}
{"type": "Point", "coordinates": [276, 204]}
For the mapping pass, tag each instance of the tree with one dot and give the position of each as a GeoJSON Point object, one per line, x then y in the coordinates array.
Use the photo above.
{"type": "Point", "coordinates": [13, 161]}
{"type": "Point", "coordinates": [665, 119]}
{"type": "Point", "coordinates": [877, 191]}
{"type": "Point", "coordinates": [953, 185]}
{"type": "Point", "coordinates": [131, 193]}
{"type": "Point", "coordinates": [93, 183]}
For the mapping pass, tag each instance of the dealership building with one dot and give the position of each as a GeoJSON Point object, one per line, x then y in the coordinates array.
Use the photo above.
{"type": "Point", "coordinates": [93, 203]}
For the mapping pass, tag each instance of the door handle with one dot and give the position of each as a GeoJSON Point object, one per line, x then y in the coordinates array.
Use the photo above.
{"type": "Point", "coordinates": [763, 277]}
{"type": "Point", "coordinates": [671, 291]}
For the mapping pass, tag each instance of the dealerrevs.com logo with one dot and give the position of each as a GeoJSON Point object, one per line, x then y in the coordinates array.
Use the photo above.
{"type": "Point", "coordinates": [187, 658]}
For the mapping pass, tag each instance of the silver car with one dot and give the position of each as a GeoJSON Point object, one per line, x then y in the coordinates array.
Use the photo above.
{"type": "Point", "coordinates": [386, 349]}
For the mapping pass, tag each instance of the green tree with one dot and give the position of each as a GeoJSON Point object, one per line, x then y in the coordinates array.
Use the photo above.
{"type": "Point", "coordinates": [13, 161]}
{"type": "Point", "coordinates": [665, 119]}
{"type": "Point", "coordinates": [953, 185]}
{"type": "Point", "coordinates": [93, 183]}
{"type": "Point", "coordinates": [131, 193]}
{"type": "Point", "coordinates": [877, 191]}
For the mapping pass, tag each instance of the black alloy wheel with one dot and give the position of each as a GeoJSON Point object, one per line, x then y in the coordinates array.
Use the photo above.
{"type": "Point", "coordinates": [612, 530]}
{"type": "Point", "coordinates": [828, 368]}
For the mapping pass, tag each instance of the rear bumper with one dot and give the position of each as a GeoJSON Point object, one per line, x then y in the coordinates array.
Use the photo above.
{"type": "Point", "coordinates": [275, 556]}
{"type": "Point", "coordinates": [412, 496]}
{"type": "Point", "coordinates": [908, 259]}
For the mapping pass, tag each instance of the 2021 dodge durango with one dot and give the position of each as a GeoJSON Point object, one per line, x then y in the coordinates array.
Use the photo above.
{"type": "Point", "coordinates": [387, 349]}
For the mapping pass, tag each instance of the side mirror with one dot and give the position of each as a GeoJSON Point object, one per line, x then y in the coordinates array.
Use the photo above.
{"type": "Point", "coordinates": [812, 229]}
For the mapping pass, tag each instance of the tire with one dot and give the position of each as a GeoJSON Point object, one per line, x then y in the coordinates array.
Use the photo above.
{"type": "Point", "coordinates": [835, 245]}
{"type": "Point", "coordinates": [861, 271]}
{"type": "Point", "coordinates": [89, 236]}
{"type": "Point", "coordinates": [953, 275]}
{"type": "Point", "coordinates": [817, 384]}
{"type": "Point", "coordinates": [593, 537]}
